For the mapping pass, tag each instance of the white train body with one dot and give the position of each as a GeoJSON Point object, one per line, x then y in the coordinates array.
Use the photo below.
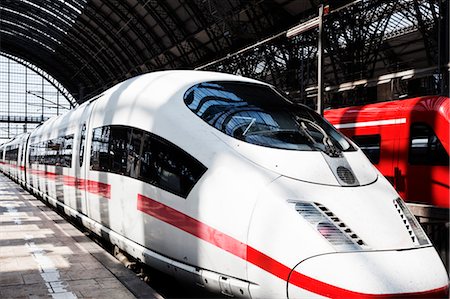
{"type": "Point", "coordinates": [139, 167]}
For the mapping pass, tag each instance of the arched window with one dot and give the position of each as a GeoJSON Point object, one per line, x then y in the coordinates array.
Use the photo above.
{"type": "Point", "coordinates": [28, 96]}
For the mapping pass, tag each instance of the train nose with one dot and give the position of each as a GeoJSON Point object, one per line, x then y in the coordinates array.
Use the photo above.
{"type": "Point", "coordinates": [417, 273]}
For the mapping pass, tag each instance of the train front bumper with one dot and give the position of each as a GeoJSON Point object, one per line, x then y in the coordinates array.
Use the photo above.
{"type": "Point", "coordinates": [415, 273]}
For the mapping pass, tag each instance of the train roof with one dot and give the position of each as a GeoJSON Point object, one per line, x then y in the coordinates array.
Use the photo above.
{"type": "Point", "coordinates": [407, 108]}
{"type": "Point", "coordinates": [140, 96]}
{"type": "Point", "coordinates": [180, 78]}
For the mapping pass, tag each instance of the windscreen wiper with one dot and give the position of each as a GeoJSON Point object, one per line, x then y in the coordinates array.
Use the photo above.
{"type": "Point", "coordinates": [330, 149]}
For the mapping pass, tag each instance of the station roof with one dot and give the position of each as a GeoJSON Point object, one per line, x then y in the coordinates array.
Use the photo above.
{"type": "Point", "coordinates": [89, 45]}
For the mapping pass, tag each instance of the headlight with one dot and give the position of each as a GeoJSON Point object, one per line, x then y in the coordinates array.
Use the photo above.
{"type": "Point", "coordinates": [416, 232]}
{"type": "Point", "coordinates": [341, 237]}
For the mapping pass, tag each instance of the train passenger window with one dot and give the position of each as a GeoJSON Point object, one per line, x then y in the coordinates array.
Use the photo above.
{"type": "Point", "coordinates": [118, 143]}
{"type": "Point", "coordinates": [133, 155]}
{"type": "Point", "coordinates": [146, 157]}
{"type": "Point", "coordinates": [57, 151]}
{"type": "Point", "coordinates": [115, 149]}
{"type": "Point", "coordinates": [12, 153]}
{"type": "Point", "coordinates": [100, 158]}
{"type": "Point", "coordinates": [65, 152]}
{"type": "Point", "coordinates": [31, 154]}
{"type": "Point", "coordinates": [425, 148]}
{"type": "Point", "coordinates": [165, 165]}
{"type": "Point", "coordinates": [259, 115]}
{"type": "Point", "coordinates": [370, 145]}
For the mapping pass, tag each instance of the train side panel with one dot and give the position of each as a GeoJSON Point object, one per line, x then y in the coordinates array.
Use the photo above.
{"type": "Point", "coordinates": [53, 160]}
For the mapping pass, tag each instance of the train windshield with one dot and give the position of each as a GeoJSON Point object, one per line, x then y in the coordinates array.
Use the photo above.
{"type": "Point", "coordinates": [260, 115]}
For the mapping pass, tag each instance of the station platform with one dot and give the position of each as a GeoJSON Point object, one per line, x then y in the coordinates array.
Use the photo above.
{"type": "Point", "coordinates": [44, 256]}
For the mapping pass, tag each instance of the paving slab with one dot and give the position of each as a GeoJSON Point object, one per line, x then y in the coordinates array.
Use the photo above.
{"type": "Point", "coordinates": [44, 256]}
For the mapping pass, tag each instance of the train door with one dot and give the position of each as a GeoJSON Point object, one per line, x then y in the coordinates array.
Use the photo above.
{"type": "Point", "coordinates": [107, 166]}
{"type": "Point", "coordinates": [1, 158]}
{"type": "Point", "coordinates": [375, 133]}
{"type": "Point", "coordinates": [25, 159]}
{"type": "Point", "coordinates": [80, 181]}
{"type": "Point", "coordinates": [382, 137]}
{"type": "Point", "coordinates": [98, 182]}
{"type": "Point", "coordinates": [427, 164]}
{"type": "Point", "coordinates": [19, 161]}
{"type": "Point", "coordinates": [397, 134]}
{"type": "Point", "coordinates": [22, 158]}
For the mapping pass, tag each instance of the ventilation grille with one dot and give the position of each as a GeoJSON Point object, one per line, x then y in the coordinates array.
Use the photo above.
{"type": "Point", "coordinates": [341, 237]}
{"type": "Point", "coordinates": [413, 227]}
{"type": "Point", "coordinates": [346, 175]}
{"type": "Point", "coordinates": [354, 237]}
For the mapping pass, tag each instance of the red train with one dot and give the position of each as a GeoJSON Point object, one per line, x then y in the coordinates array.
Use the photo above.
{"type": "Point", "coordinates": [407, 140]}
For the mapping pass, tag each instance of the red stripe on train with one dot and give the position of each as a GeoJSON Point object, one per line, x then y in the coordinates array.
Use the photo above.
{"type": "Point", "coordinates": [94, 187]}
{"type": "Point", "coordinates": [223, 241]}
{"type": "Point", "coordinates": [98, 188]}
{"type": "Point", "coordinates": [191, 226]}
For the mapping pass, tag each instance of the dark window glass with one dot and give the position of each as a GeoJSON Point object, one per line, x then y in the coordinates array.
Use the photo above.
{"type": "Point", "coordinates": [134, 153]}
{"type": "Point", "coordinates": [33, 153]}
{"type": "Point", "coordinates": [57, 151]}
{"type": "Point", "coordinates": [118, 143]}
{"type": "Point", "coordinates": [168, 167]}
{"type": "Point", "coordinates": [258, 114]}
{"type": "Point", "coordinates": [370, 145]}
{"type": "Point", "coordinates": [145, 156]}
{"type": "Point", "coordinates": [68, 150]}
{"type": "Point", "coordinates": [12, 153]}
{"type": "Point", "coordinates": [425, 148]}
{"type": "Point", "coordinates": [100, 157]}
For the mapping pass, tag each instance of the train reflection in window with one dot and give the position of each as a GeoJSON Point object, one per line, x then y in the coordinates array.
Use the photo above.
{"type": "Point", "coordinates": [259, 115]}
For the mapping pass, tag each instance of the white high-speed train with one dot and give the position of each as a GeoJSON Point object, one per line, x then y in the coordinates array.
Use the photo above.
{"type": "Point", "coordinates": [221, 181]}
